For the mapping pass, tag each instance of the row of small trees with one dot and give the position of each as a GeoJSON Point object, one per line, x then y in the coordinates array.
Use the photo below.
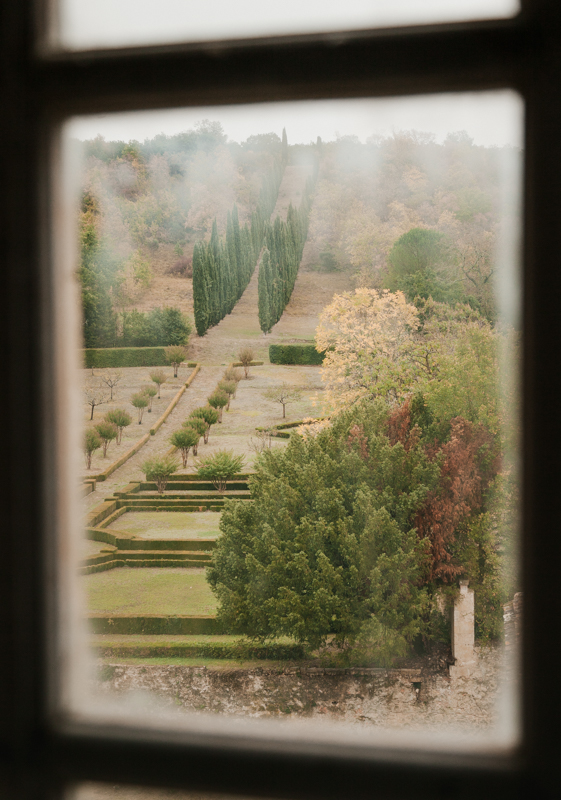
{"type": "Point", "coordinates": [115, 421]}
{"type": "Point", "coordinates": [201, 419]}
{"type": "Point", "coordinates": [284, 243]}
{"type": "Point", "coordinates": [223, 267]}
{"type": "Point", "coordinates": [222, 465]}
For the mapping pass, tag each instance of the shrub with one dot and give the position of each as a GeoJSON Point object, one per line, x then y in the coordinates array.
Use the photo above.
{"type": "Point", "coordinates": [246, 356]}
{"type": "Point", "coordinates": [295, 354]}
{"type": "Point", "coordinates": [150, 392]}
{"type": "Point", "coordinates": [220, 467]}
{"type": "Point", "coordinates": [229, 388]}
{"type": "Point", "coordinates": [218, 400]}
{"type": "Point", "coordinates": [175, 355]}
{"type": "Point", "coordinates": [184, 440]}
{"type": "Point", "coordinates": [183, 266]}
{"type": "Point", "coordinates": [232, 374]}
{"type": "Point", "coordinates": [139, 401]}
{"type": "Point", "coordinates": [107, 431]}
{"type": "Point", "coordinates": [199, 426]}
{"type": "Point", "coordinates": [92, 442]}
{"type": "Point", "coordinates": [120, 418]}
{"type": "Point", "coordinates": [160, 470]}
{"type": "Point", "coordinates": [209, 415]}
{"type": "Point", "coordinates": [159, 327]}
{"type": "Point", "coordinates": [159, 377]}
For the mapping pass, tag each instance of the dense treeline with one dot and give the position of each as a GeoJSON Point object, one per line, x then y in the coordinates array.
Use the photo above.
{"type": "Point", "coordinates": [371, 195]}
{"type": "Point", "coordinates": [223, 267]}
{"type": "Point", "coordinates": [284, 243]}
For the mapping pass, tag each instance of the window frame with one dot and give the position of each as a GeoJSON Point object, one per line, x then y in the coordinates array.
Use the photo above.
{"type": "Point", "coordinates": [41, 753]}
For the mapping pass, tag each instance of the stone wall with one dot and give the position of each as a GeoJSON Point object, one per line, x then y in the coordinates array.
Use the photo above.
{"type": "Point", "coordinates": [390, 698]}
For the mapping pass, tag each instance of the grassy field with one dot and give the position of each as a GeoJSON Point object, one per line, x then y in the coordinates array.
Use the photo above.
{"type": "Point", "coordinates": [169, 525]}
{"type": "Point", "coordinates": [149, 591]}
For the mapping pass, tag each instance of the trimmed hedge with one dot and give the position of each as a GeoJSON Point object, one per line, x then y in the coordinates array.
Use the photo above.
{"type": "Point", "coordinates": [124, 357]}
{"type": "Point", "coordinates": [103, 357]}
{"type": "Point", "coordinates": [223, 650]}
{"type": "Point", "coordinates": [153, 624]}
{"type": "Point", "coordinates": [295, 354]}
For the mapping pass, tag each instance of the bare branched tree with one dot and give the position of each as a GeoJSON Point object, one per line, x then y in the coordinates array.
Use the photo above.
{"type": "Point", "coordinates": [111, 379]}
{"type": "Point", "coordinates": [283, 394]}
{"type": "Point", "coordinates": [95, 395]}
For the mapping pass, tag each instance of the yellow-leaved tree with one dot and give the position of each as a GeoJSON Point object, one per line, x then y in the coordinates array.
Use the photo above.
{"type": "Point", "coordinates": [368, 336]}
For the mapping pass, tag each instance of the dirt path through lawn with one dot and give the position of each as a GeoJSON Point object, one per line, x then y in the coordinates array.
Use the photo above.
{"type": "Point", "coordinates": [241, 328]}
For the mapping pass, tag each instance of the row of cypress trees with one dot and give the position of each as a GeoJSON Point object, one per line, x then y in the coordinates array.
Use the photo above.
{"type": "Point", "coordinates": [284, 243]}
{"type": "Point", "coordinates": [223, 267]}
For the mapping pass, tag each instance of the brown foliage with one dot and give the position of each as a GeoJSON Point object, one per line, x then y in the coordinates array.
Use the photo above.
{"type": "Point", "coordinates": [399, 427]}
{"type": "Point", "coordinates": [183, 266]}
{"type": "Point", "coordinates": [356, 437]}
{"type": "Point", "coordinates": [469, 465]}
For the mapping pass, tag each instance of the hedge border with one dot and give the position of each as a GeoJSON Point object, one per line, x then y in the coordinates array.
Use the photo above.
{"type": "Point", "coordinates": [102, 476]}
{"type": "Point", "coordinates": [153, 624]}
{"type": "Point", "coordinates": [120, 357]}
{"type": "Point", "coordinates": [296, 354]}
{"type": "Point", "coordinates": [253, 364]}
{"type": "Point", "coordinates": [220, 650]}
{"type": "Point", "coordinates": [278, 431]}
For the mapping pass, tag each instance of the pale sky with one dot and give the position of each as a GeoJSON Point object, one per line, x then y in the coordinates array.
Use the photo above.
{"type": "Point", "coordinates": [110, 23]}
{"type": "Point", "coordinates": [490, 118]}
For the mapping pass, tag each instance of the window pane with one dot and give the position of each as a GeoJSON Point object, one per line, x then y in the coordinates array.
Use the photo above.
{"type": "Point", "coordinates": [307, 508]}
{"type": "Point", "coordinates": [105, 23]}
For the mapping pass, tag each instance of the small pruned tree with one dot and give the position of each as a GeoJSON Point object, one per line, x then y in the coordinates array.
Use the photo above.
{"type": "Point", "coordinates": [283, 394]}
{"type": "Point", "coordinates": [199, 426]}
{"type": "Point", "coordinates": [111, 379]}
{"type": "Point", "coordinates": [160, 470]}
{"type": "Point", "coordinates": [95, 396]}
{"type": "Point", "coordinates": [159, 377]}
{"type": "Point", "coordinates": [184, 440]}
{"type": "Point", "coordinates": [150, 392]}
{"type": "Point", "coordinates": [107, 432]}
{"type": "Point", "coordinates": [139, 401]}
{"type": "Point", "coordinates": [232, 374]}
{"type": "Point", "coordinates": [218, 400]}
{"type": "Point", "coordinates": [175, 355]}
{"type": "Point", "coordinates": [121, 418]}
{"type": "Point", "coordinates": [245, 357]}
{"type": "Point", "coordinates": [209, 415]}
{"type": "Point", "coordinates": [229, 388]}
{"type": "Point", "coordinates": [92, 442]}
{"type": "Point", "coordinates": [220, 467]}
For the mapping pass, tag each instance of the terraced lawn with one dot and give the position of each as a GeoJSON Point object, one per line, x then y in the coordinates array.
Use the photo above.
{"type": "Point", "coordinates": [141, 590]}
{"type": "Point", "coordinates": [169, 525]}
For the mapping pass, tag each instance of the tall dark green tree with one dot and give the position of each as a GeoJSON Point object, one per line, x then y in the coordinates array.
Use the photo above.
{"type": "Point", "coordinates": [201, 300]}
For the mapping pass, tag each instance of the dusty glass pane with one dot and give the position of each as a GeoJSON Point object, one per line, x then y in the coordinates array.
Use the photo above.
{"type": "Point", "coordinates": [307, 509]}
{"type": "Point", "coordinates": [105, 23]}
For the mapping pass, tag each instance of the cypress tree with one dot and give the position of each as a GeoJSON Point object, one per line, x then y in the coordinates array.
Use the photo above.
{"type": "Point", "coordinates": [264, 286]}
{"type": "Point", "coordinates": [200, 290]}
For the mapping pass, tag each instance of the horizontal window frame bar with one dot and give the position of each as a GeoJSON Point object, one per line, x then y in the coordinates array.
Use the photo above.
{"type": "Point", "coordinates": [422, 60]}
{"type": "Point", "coordinates": [254, 767]}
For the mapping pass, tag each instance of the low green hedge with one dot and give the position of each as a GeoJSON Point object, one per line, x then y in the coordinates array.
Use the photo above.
{"type": "Point", "coordinates": [124, 357]}
{"type": "Point", "coordinates": [295, 354]}
{"type": "Point", "coordinates": [153, 624]}
{"type": "Point", "coordinates": [238, 650]}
